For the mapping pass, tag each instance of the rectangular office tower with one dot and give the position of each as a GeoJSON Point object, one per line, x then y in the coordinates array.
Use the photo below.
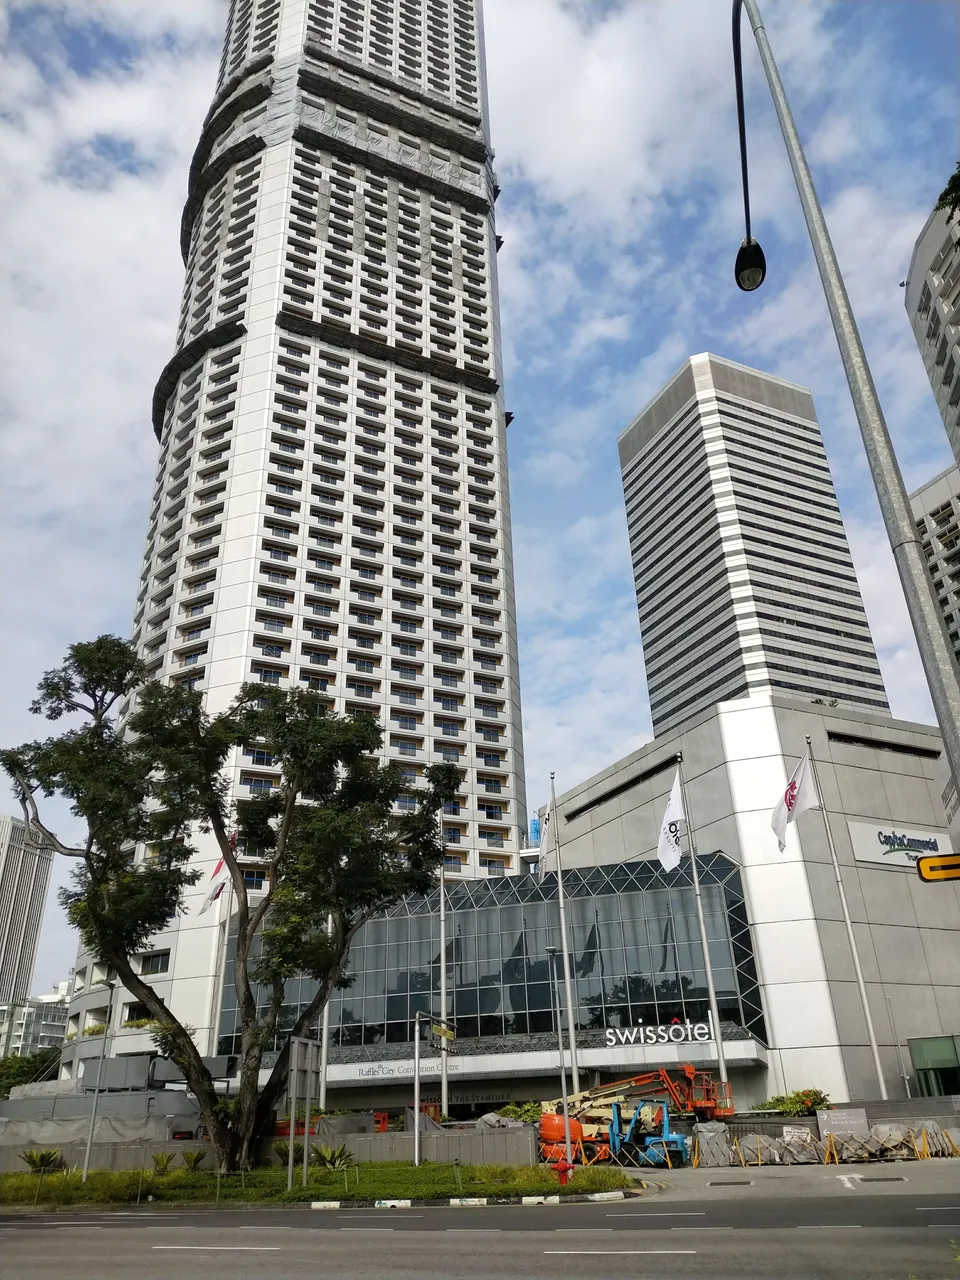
{"type": "Point", "coordinates": [331, 507]}
{"type": "Point", "coordinates": [743, 573]}
{"type": "Point", "coordinates": [24, 876]}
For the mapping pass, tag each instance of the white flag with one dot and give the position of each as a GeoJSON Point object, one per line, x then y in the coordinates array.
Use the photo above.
{"type": "Point", "coordinates": [800, 795]}
{"type": "Point", "coordinates": [668, 846]}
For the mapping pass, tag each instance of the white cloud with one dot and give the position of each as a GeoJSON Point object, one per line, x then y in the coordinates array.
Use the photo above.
{"type": "Point", "coordinates": [616, 139]}
{"type": "Point", "coordinates": [89, 285]}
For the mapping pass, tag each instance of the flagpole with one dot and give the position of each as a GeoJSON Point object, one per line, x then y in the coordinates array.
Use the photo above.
{"type": "Point", "coordinates": [325, 1037]}
{"type": "Point", "coordinates": [444, 1084]}
{"type": "Point", "coordinates": [564, 947]}
{"type": "Point", "coordinates": [848, 923]}
{"type": "Point", "coordinates": [708, 967]}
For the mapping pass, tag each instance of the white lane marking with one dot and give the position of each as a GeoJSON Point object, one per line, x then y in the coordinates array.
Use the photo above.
{"type": "Point", "coordinates": [471, 1230]}
{"type": "Point", "coordinates": [833, 1226]}
{"type": "Point", "coordinates": [845, 1179]}
{"type": "Point", "coordinates": [382, 1217]}
{"type": "Point", "coordinates": [219, 1248]}
{"type": "Point", "coordinates": [608, 1252]}
{"type": "Point", "coordinates": [645, 1214]}
{"type": "Point", "coordinates": [701, 1228]}
{"type": "Point", "coordinates": [581, 1230]}
{"type": "Point", "coordinates": [938, 1208]}
{"type": "Point", "coordinates": [367, 1229]}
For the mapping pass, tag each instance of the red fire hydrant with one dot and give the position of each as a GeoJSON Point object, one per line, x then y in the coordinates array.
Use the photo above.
{"type": "Point", "coordinates": [563, 1169]}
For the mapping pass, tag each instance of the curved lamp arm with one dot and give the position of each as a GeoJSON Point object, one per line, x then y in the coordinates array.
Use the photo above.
{"type": "Point", "coordinates": [751, 267]}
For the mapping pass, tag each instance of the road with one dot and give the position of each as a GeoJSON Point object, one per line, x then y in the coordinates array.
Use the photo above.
{"type": "Point", "coordinates": [891, 1236]}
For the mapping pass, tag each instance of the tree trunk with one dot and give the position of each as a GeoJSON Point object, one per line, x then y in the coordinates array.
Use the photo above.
{"type": "Point", "coordinates": [187, 1058]}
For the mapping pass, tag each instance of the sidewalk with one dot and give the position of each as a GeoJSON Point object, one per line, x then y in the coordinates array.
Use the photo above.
{"type": "Point", "coordinates": [769, 1181]}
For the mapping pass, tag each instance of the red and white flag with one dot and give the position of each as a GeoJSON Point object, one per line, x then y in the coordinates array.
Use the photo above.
{"type": "Point", "coordinates": [800, 795]}
{"type": "Point", "coordinates": [218, 882]}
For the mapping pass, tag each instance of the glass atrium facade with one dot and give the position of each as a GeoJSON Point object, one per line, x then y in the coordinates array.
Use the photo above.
{"type": "Point", "coordinates": [635, 951]}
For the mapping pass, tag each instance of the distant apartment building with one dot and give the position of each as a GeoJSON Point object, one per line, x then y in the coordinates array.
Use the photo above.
{"type": "Point", "coordinates": [743, 574]}
{"type": "Point", "coordinates": [34, 1024]}
{"type": "Point", "coordinates": [936, 509]}
{"type": "Point", "coordinates": [932, 299]}
{"type": "Point", "coordinates": [24, 876]}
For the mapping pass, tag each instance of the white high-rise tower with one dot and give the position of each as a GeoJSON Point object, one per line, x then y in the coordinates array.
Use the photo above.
{"type": "Point", "coordinates": [331, 506]}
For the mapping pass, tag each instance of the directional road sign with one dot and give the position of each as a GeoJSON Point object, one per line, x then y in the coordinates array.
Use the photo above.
{"type": "Point", "coordinates": [939, 866]}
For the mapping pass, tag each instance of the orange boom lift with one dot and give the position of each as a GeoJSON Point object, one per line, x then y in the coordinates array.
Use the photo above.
{"type": "Point", "coordinates": [687, 1090]}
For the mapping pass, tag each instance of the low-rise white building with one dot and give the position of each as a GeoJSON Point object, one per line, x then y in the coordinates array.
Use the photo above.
{"type": "Point", "coordinates": [32, 1025]}
{"type": "Point", "coordinates": [882, 781]}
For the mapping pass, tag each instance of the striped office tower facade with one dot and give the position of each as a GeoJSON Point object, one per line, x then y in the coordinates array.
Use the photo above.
{"type": "Point", "coordinates": [744, 578]}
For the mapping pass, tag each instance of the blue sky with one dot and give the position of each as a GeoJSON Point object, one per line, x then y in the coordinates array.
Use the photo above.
{"type": "Point", "coordinates": [615, 133]}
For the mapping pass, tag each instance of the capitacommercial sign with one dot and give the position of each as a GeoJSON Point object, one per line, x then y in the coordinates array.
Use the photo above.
{"type": "Point", "coordinates": [891, 845]}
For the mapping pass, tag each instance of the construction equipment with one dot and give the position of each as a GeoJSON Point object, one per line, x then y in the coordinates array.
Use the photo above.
{"type": "Point", "coordinates": [645, 1138]}
{"type": "Point", "coordinates": [601, 1119]}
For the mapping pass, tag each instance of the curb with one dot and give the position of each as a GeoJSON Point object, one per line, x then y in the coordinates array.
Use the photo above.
{"type": "Point", "coordinates": [474, 1202]}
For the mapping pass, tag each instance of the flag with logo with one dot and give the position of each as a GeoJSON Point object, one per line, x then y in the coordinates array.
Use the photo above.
{"type": "Point", "coordinates": [668, 846]}
{"type": "Point", "coordinates": [218, 882]}
{"type": "Point", "coordinates": [800, 795]}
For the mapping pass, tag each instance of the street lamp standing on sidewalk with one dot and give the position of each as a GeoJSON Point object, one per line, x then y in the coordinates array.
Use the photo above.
{"type": "Point", "coordinates": [96, 1089]}
{"type": "Point", "coordinates": [555, 1002]}
{"type": "Point", "coordinates": [939, 664]}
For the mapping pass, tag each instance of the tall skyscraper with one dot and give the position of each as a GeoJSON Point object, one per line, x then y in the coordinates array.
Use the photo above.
{"type": "Point", "coordinates": [936, 509]}
{"type": "Point", "coordinates": [24, 877]}
{"type": "Point", "coordinates": [331, 507]}
{"type": "Point", "coordinates": [743, 574]}
{"type": "Point", "coordinates": [932, 299]}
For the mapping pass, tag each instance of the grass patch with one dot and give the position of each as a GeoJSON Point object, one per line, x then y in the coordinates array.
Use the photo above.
{"type": "Point", "coordinates": [393, 1181]}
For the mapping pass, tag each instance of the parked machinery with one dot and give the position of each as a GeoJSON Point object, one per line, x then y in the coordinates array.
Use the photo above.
{"type": "Point", "coordinates": [611, 1122]}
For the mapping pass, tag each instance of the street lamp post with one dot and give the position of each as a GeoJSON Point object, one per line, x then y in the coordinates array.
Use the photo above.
{"type": "Point", "coordinates": [555, 1001]}
{"type": "Point", "coordinates": [94, 1106]}
{"type": "Point", "coordinates": [939, 664]}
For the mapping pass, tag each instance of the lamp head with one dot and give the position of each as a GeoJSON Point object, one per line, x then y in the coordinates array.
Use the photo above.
{"type": "Point", "coordinates": [751, 269]}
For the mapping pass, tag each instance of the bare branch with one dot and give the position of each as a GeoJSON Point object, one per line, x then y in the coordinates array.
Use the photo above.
{"type": "Point", "coordinates": [293, 792]}
{"type": "Point", "coordinates": [31, 818]}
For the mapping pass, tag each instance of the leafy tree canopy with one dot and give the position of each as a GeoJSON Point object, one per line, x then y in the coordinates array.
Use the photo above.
{"type": "Point", "coordinates": [950, 195]}
{"type": "Point", "coordinates": [153, 792]}
{"type": "Point", "coordinates": [25, 1070]}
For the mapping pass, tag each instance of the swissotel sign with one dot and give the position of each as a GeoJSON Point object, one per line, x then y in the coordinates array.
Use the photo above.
{"type": "Point", "coordinates": [670, 1033]}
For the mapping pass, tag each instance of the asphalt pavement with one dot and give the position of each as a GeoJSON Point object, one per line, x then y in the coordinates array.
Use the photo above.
{"type": "Point", "coordinates": [883, 1231]}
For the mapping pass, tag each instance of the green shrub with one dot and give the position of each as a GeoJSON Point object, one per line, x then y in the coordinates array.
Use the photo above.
{"type": "Point", "coordinates": [373, 1181]}
{"type": "Point", "coordinates": [194, 1159]}
{"type": "Point", "coordinates": [528, 1112]}
{"type": "Point", "coordinates": [338, 1158]}
{"type": "Point", "coordinates": [162, 1160]}
{"type": "Point", "coordinates": [95, 1029]}
{"type": "Point", "coordinates": [35, 1066]}
{"type": "Point", "coordinates": [802, 1102]}
{"type": "Point", "coordinates": [282, 1148]}
{"type": "Point", "coordinates": [42, 1159]}
{"type": "Point", "coordinates": [133, 1024]}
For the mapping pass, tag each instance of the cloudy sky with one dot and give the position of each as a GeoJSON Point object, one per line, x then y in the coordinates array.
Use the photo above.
{"type": "Point", "coordinates": [615, 131]}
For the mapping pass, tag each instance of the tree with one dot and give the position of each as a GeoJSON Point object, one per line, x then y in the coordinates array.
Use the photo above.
{"type": "Point", "coordinates": [325, 833]}
{"type": "Point", "coordinates": [950, 195]}
{"type": "Point", "coordinates": [26, 1070]}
